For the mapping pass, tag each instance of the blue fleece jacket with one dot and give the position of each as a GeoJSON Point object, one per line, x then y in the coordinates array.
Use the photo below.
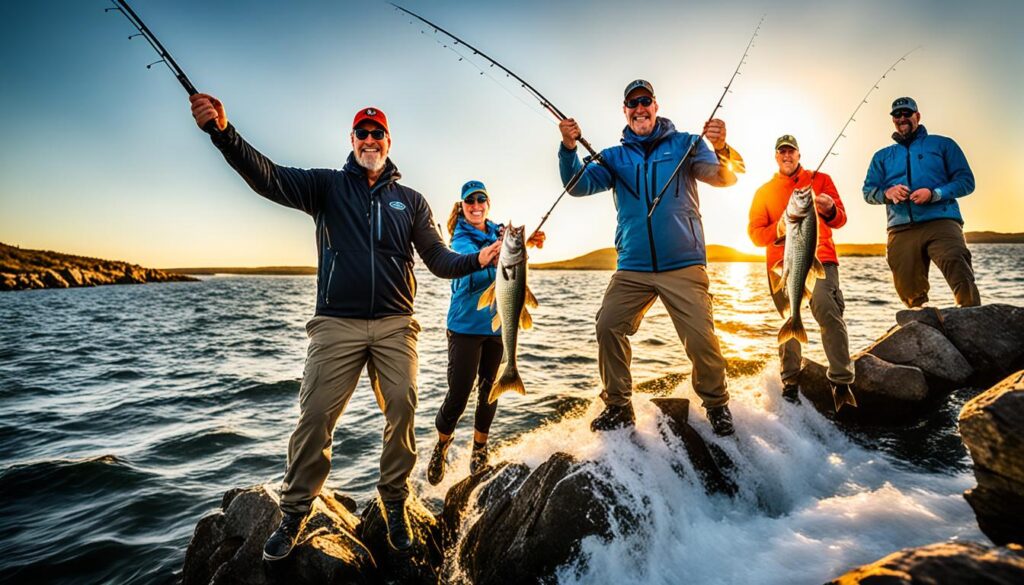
{"type": "Point", "coordinates": [637, 170]}
{"type": "Point", "coordinates": [463, 316]}
{"type": "Point", "coordinates": [925, 161]}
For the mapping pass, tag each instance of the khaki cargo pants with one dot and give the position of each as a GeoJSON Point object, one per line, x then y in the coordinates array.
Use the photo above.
{"type": "Point", "coordinates": [827, 306]}
{"type": "Point", "coordinates": [910, 252]}
{"type": "Point", "coordinates": [685, 293]}
{"type": "Point", "coordinates": [338, 351]}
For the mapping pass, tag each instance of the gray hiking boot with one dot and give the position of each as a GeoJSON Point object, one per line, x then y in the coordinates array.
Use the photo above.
{"type": "Point", "coordinates": [438, 461]}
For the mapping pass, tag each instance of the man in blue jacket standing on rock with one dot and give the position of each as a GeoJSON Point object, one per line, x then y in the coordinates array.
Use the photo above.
{"type": "Point", "coordinates": [661, 256]}
{"type": "Point", "coordinates": [919, 179]}
{"type": "Point", "coordinates": [366, 227]}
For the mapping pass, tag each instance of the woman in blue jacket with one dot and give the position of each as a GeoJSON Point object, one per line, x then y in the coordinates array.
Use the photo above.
{"type": "Point", "coordinates": [474, 349]}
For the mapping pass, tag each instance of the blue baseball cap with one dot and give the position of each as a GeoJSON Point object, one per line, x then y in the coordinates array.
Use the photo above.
{"type": "Point", "coordinates": [473, 187]}
{"type": "Point", "coordinates": [903, 103]}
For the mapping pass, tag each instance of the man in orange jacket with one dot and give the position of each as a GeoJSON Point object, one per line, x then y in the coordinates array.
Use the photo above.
{"type": "Point", "coordinates": [767, 228]}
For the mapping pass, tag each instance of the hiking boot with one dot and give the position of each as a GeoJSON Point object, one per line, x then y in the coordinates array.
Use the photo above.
{"type": "Point", "coordinates": [478, 459]}
{"type": "Point", "coordinates": [281, 542]}
{"type": "Point", "coordinates": [791, 393]}
{"type": "Point", "coordinates": [438, 460]}
{"type": "Point", "coordinates": [721, 420]}
{"type": "Point", "coordinates": [399, 533]}
{"type": "Point", "coordinates": [614, 417]}
{"type": "Point", "coordinates": [842, 394]}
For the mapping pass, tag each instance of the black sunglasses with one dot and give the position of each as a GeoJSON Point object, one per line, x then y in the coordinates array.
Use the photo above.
{"type": "Point", "coordinates": [480, 198]}
{"type": "Point", "coordinates": [902, 114]}
{"type": "Point", "coordinates": [644, 100]}
{"type": "Point", "coordinates": [362, 133]}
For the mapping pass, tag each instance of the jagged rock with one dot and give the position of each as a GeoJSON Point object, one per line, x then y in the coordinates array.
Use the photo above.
{"type": "Point", "coordinates": [227, 545]}
{"type": "Point", "coordinates": [421, 565]}
{"type": "Point", "coordinates": [73, 276]}
{"type": "Point", "coordinates": [132, 275]}
{"type": "Point", "coordinates": [540, 528]}
{"type": "Point", "coordinates": [992, 427]}
{"type": "Point", "coordinates": [885, 392]}
{"type": "Point", "coordinates": [499, 482]}
{"type": "Point", "coordinates": [924, 347]}
{"type": "Point", "coordinates": [991, 337]}
{"type": "Point", "coordinates": [51, 279]}
{"type": "Point", "coordinates": [927, 315]}
{"type": "Point", "coordinates": [962, 563]}
{"type": "Point", "coordinates": [677, 413]}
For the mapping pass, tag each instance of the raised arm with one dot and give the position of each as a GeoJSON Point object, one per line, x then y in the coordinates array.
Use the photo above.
{"type": "Point", "coordinates": [440, 260]}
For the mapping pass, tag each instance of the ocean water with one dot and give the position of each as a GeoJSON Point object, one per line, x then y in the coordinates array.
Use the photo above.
{"type": "Point", "coordinates": [127, 411]}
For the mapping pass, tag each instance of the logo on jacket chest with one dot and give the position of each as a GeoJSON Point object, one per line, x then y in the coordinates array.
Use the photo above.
{"type": "Point", "coordinates": [398, 205]}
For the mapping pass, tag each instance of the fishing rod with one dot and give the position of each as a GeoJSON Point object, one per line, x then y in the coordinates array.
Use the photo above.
{"type": "Point", "coordinates": [686, 155]}
{"type": "Point", "coordinates": [165, 57]}
{"type": "Point", "coordinates": [863, 101]}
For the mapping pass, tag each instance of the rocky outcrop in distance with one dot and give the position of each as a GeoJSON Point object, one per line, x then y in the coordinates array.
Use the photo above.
{"type": "Point", "coordinates": [22, 269]}
{"type": "Point", "coordinates": [927, 354]}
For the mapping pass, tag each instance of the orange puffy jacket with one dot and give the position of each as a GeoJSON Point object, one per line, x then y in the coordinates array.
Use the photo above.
{"type": "Point", "coordinates": [770, 203]}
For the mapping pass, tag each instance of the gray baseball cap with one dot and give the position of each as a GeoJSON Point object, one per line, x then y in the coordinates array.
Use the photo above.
{"type": "Point", "coordinates": [638, 84]}
{"type": "Point", "coordinates": [903, 103]}
{"type": "Point", "coordinates": [786, 140]}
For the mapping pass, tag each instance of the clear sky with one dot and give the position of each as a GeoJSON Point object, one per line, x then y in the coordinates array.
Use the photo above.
{"type": "Point", "coordinates": [100, 157]}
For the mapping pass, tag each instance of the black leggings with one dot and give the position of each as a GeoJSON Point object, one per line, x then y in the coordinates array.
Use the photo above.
{"type": "Point", "coordinates": [469, 357]}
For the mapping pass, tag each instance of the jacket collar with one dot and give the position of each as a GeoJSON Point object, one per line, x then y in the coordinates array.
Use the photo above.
{"type": "Point", "coordinates": [463, 226]}
{"type": "Point", "coordinates": [662, 128]}
{"type": "Point", "coordinates": [390, 173]}
{"type": "Point", "coordinates": [794, 178]}
{"type": "Point", "coordinates": [921, 132]}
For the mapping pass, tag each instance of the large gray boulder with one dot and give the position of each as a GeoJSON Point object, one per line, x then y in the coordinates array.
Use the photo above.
{"type": "Point", "coordinates": [885, 392]}
{"type": "Point", "coordinates": [992, 427]}
{"type": "Point", "coordinates": [924, 347]}
{"type": "Point", "coordinates": [991, 337]}
{"type": "Point", "coordinates": [960, 563]}
{"type": "Point", "coordinates": [227, 545]}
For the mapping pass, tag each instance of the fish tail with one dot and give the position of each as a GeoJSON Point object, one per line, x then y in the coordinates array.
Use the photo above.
{"type": "Point", "coordinates": [793, 328]}
{"type": "Point", "coordinates": [843, 394]}
{"type": "Point", "coordinates": [509, 380]}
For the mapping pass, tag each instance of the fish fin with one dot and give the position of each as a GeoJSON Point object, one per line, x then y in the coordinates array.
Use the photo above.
{"type": "Point", "coordinates": [531, 301]}
{"type": "Point", "coordinates": [509, 380]}
{"type": "Point", "coordinates": [843, 394]}
{"type": "Point", "coordinates": [486, 299]}
{"type": "Point", "coordinates": [525, 320]}
{"type": "Point", "coordinates": [780, 277]}
{"type": "Point", "coordinates": [817, 269]}
{"type": "Point", "coordinates": [776, 268]}
{"type": "Point", "coordinates": [793, 328]}
{"type": "Point", "coordinates": [495, 322]}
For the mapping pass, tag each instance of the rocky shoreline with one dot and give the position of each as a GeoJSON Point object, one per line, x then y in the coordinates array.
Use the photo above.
{"type": "Point", "coordinates": [22, 269]}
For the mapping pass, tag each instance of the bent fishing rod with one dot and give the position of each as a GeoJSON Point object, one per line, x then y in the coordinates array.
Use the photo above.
{"type": "Point", "coordinates": [863, 101]}
{"type": "Point", "coordinates": [165, 57]}
{"type": "Point", "coordinates": [726, 90]}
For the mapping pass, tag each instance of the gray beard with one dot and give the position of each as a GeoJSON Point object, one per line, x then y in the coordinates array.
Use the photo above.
{"type": "Point", "coordinates": [370, 162]}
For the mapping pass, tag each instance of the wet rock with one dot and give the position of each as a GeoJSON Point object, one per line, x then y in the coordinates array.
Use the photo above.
{"type": "Point", "coordinates": [927, 315]}
{"type": "Point", "coordinates": [992, 427]}
{"type": "Point", "coordinates": [885, 392]}
{"type": "Point", "coordinates": [540, 528]}
{"type": "Point", "coordinates": [709, 465]}
{"type": "Point", "coordinates": [422, 563]}
{"type": "Point", "coordinates": [991, 337]}
{"type": "Point", "coordinates": [963, 563]}
{"type": "Point", "coordinates": [227, 545]}
{"type": "Point", "coordinates": [499, 482]}
{"type": "Point", "coordinates": [924, 347]}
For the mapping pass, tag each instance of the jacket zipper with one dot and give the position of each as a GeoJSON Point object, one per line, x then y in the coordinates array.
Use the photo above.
{"type": "Point", "coordinates": [378, 220]}
{"type": "Point", "coordinates": [330, 276]}
{"type": "Point", "coordinates": [910, 181]}
{"type": "Point", "coordinates": [650, 230]}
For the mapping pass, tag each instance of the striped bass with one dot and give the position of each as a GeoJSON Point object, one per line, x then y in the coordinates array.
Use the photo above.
{"type": "Point", "coordinates": [510, 294]}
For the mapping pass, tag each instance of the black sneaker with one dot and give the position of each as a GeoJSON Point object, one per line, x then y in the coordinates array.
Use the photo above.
{"type": "Point", "coordinates": [399, 534]}
{"type": "Point", "coordinates": [721, 420]}
{"type": "Point", "coordinates": [478, 460]}
{"type": "Point", "coordinates": [791, 393]}
{"type": "Point", "coordinates": [281, 542]}
{"type": "Point", "coordinates": [842, 394]}
{"type": "Point", "coordinates": [438, 460]}
{"type": "Point", "coordinates": [614, 417]}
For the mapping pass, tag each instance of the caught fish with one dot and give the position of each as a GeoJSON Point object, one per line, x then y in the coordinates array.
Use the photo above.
{"type": "Point", "coordinates": [511, 296]}
{"type": "Point", "coordinates": [799, 270]}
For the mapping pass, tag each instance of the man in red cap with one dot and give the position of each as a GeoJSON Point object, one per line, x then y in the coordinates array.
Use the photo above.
{"type": "Point", "coordinates": [366, 227]}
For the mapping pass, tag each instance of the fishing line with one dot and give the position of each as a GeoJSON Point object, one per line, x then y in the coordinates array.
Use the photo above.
{"type": "Point", "coordinates": [727, 90]}
{"type": "Point", "coordinates": [863, 101]}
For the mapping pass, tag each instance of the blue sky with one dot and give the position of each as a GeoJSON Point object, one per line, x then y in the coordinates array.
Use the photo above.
{"type": "Point", "coordinates": [99, 156]}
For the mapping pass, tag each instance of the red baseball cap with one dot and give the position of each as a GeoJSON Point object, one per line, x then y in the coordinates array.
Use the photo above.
{"type": "Point", "coordinates": [372, 114]}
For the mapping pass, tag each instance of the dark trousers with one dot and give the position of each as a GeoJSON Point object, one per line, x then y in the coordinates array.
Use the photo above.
{"type": "Point", "coordinates": [911, 250]}
{"type": "Point", "coordinates": [470, 357]}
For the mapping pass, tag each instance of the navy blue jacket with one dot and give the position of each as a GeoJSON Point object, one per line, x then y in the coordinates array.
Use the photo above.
{"type": "Point", "coordinates": [463, 316]}
{"type": "Point", "coordinates": [364, 236]}
{"type": "Point", "coordinates": [637, 170]}
{"type": "Point", "coordinates": [925, 161]}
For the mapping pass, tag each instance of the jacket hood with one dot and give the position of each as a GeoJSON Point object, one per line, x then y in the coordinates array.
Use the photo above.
{"type": "Point", "coordinates": [390, 173]}
{"type": "Point", "coordinates": [464, 228]}
{"type": "Point", "coordinates": [662, 128]}
{"type": "Point", "coordinates": [921, 132]}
